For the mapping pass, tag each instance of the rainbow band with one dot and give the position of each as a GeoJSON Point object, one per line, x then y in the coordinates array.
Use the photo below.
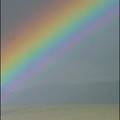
{"type": "Point", "coordinates": [34, 41]}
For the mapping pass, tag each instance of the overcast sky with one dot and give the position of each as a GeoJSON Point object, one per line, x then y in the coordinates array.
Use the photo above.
{"type": "Point", "coordinates": [89, 61]}
{"type": "Point", "coordinates": [94, 59]}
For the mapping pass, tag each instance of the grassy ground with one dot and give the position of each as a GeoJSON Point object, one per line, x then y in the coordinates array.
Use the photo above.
{"type": "Point", "coordinates": [61, 112]}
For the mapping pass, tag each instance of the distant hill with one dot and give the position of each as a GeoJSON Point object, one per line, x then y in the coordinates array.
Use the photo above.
{"type": "Point", "coordinates": [94, 92]}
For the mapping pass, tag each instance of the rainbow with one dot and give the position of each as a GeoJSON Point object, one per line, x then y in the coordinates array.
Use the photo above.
{"type": "Point", "coordinates": [48, 34]}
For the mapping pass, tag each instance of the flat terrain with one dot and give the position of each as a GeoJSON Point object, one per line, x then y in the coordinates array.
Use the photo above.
{"type": "Point", "coordinates": [61, 112]}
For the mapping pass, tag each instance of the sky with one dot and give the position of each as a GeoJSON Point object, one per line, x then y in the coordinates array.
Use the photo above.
{"type": "Point", "coordinates": [92, 58]}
